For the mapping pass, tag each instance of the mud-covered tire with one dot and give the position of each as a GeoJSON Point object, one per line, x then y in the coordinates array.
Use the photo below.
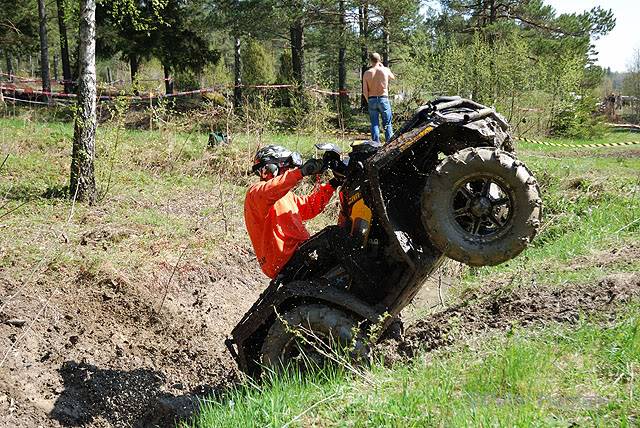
{"type": "Point", "coordinates": [461, 211]}
{"type": "Point", "coordinates": [330, 324]}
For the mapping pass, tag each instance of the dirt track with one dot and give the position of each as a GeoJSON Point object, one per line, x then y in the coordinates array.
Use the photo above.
{"type": "Point", "coordinates": [98, 356]}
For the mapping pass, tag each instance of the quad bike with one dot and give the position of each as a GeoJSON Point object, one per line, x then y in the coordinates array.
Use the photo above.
{"type": "Point", "coordinates": [446, 185]}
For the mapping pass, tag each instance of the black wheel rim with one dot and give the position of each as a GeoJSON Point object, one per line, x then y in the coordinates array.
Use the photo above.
{"type": "Point", "coordinates": [482, 206]}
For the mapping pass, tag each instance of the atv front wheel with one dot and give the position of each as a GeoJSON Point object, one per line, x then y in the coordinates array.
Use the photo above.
{"type": "Point", "coordinates": [310, 337]}
{"type": "Point", "coordinates": [481, 206]}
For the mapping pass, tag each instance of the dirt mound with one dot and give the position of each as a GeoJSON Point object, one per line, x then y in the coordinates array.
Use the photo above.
{"type": "Point", "coordinates": [93, 348]}
{"type": "Point", "coordinates": [499, 309]}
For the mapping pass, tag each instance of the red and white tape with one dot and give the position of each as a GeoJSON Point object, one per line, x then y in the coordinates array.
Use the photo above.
{"type": "Point", "coordinates": [11, 88]}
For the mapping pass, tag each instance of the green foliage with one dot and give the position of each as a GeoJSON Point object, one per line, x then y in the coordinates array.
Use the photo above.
{"type": "Point", "coordinates": [187, 80]}
{"type": "Point", "coordinates": [170, 30]}
{"type": "Point", "coordinates": [18, 27]}
{"type": "Point", "coordinates": [139, 16]}
{"type": "Point", "coordinates": [257, 64]}
{"type": "Point", "coordinates": [285, 71]}
{"type": "Point", "coordinates": [545, 91]}
{"type": "Point", "coordinates": [576, 119]}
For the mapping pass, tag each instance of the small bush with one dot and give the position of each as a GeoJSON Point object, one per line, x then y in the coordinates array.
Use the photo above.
{"type": "Point", "coordinates": [577, 119]}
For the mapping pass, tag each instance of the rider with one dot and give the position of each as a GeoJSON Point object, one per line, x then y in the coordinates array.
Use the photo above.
{"type": "Point", "coordinates": [273, 214]}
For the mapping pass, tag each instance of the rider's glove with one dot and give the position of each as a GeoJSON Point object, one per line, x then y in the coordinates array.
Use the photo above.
{"type": "Point", "coordinates": [312, 167]}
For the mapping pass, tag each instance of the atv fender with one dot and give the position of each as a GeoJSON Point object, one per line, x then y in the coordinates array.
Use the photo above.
{"type": "Point", "coordinates": [248, 335]}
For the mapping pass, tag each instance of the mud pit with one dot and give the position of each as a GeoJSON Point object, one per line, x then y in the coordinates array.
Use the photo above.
{"type": "Point", "coordinates": [98, 355]}
{"type": "Point", "coordinates": [91, 350]}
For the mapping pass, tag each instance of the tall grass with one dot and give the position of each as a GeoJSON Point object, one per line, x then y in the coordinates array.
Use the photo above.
{"type": "Point", "coordinates": [558, 376]}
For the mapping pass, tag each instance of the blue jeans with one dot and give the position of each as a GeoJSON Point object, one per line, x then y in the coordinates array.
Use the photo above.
{"type": "Point", "coordinates": [380, 106]}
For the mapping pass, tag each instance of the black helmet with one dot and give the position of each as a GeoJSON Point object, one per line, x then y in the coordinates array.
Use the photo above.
{"type": "Point", "coordinates": [275, 158]}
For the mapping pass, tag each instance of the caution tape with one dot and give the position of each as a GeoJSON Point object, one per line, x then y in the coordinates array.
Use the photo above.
{"type": "Point", "coordinates": [578, 146]}
{"type": "Point", "coordinates": [20, 100]}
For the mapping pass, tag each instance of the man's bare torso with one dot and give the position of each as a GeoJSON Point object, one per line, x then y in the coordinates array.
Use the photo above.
{"type": "Point", "coordinates": [376, 81]}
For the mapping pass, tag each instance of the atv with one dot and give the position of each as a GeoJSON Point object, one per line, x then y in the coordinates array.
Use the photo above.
{"type": "Point", "coordinates": [447, 184]}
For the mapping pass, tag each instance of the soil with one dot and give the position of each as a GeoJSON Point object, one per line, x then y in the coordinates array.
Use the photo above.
{"type": "Point", "coordinates": [95, 349]}
{"type": "Point", "coordinates": [496, 309]}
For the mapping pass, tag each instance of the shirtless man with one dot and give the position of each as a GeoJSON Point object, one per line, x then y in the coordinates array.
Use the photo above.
{"type": "Point", "coordinates": [375, 87]}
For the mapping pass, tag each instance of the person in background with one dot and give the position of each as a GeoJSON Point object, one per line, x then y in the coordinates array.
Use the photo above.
{"type": "Point", "coordinates": [375, 88]}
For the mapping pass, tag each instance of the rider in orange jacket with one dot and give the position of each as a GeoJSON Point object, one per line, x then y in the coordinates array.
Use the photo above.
{"type": "Point", "coordinates": [273, 214]}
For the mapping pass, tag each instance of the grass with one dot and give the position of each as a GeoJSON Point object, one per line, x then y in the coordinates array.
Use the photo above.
{"type": "Point", "coordinates": [558, 376]}
{"type": "Point", "coordinates": [168, 191]}
{"type": "Point", "coordinates": [160, 184]}
{"type": "Point", "coordinates": [553, 376]}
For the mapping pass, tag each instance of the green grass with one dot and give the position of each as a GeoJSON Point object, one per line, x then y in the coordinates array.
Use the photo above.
{"type": "Point", "coordinates": [159, 187]}
{"type": "Point", "coordinates": [610, 137]}
{"type": "Point", "coordinates": [558, 376]}
{"type": "Point", "coordinates": [168, 191]}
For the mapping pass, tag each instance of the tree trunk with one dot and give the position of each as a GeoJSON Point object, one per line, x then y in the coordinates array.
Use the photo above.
{"type": "Point", "coordinates": [64, 48]}
{"type": "Point", "coordinates": [9, 67]}
{"type": "Point", "coordinates": [237, 73]}
{"type": "Point", "coordinates": [168, 82]}
{"type": "Point", "coordinates": [385, 39]}
{"type": "Point", "coordinates": [297, 51]}
{"type": "Point", "coordinates": [75, 68]}
{"type": "Point", "coordinates": [342, 66]}
{"type": "Point", "coordinates": [134, 63]}
{"type": "Point", "coordinates": [44, 48]}
{"type": "Point", "coordinates": [83, 182]}
{"type": "Point", "coordinates": [493, 12]}
{"type": "Point", "coordinates": [55, 67]}
{"type": "Point", "coordinates": [363, 26]}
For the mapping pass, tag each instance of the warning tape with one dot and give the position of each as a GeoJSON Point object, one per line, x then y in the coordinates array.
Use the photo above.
{"type": "Point", "coordinates": [19, 100]}
{"type": "Point", "coordinates": [30, 91]}
{"type": "Point", "coordinates": [578, 146]}
{"type": "Point", "coordinates": [150, 96]}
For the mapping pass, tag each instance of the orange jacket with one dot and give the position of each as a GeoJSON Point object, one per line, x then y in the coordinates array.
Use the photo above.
{"type": "Point", "coordinates": [274, 215]}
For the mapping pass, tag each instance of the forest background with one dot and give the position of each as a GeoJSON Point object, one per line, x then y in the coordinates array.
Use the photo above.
{"type": "Point", "coordinates": [536, 66]}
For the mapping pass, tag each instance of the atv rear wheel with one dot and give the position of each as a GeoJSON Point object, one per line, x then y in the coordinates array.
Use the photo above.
{"type": "Point", "coordinates": [481, 206]}
{"type": "Point", "coordinates": [309, 337]}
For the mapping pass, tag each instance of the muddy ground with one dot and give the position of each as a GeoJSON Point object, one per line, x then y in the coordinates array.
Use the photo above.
{"type": "Point", "coordinates": [497, 309]}
{"type": "Point", "coordinates": [98, 352]}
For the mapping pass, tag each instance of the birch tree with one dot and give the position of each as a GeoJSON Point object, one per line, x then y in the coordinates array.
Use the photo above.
{"type": "Point", "coordinates": [83, 183]}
